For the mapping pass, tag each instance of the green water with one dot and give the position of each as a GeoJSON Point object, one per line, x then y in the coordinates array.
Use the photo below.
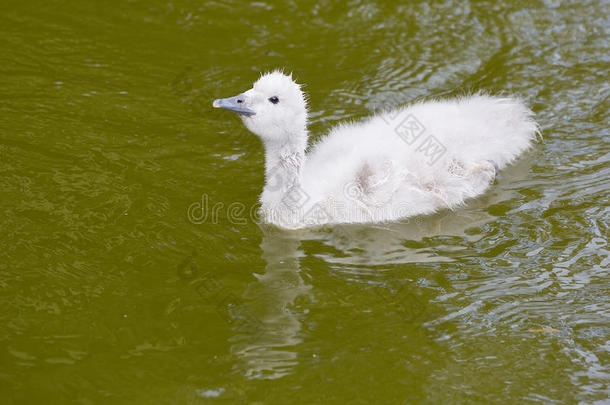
{"type": "Point", "coordinates": [110, 293]}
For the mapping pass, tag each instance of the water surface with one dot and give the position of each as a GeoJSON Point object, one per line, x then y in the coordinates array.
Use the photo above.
{"type": "Point", "coordinates": [111, 293]}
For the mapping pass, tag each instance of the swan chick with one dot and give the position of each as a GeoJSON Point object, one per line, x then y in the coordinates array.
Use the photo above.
{"type": "Point", "coordinates": [412, 160]}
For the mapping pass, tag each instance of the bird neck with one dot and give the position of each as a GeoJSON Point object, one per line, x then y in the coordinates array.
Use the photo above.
{"type": "Point", "coordinates": [283, 166]}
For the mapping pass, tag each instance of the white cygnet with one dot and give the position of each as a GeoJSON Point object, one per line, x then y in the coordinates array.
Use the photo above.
{"type": "Point", "coordinates": [413, 160]}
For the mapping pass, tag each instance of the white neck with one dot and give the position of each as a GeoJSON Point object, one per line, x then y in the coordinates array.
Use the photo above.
{"type": "Point", "coordinates": [284, 163]}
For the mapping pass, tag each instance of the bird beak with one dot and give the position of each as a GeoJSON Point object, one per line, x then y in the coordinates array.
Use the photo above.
{"type": "Point", "coordinates": [235, 104]}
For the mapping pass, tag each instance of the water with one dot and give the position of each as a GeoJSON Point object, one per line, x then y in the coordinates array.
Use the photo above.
{"type": "Point", "coordinates": [111, 294]}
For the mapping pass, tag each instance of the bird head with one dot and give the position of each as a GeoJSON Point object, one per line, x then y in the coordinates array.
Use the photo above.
{"type": "Point", "coordinates": [274, 108]}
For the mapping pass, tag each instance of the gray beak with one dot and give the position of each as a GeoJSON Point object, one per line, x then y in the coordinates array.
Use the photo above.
{"type": "Point", "coordinates": [235, 104]}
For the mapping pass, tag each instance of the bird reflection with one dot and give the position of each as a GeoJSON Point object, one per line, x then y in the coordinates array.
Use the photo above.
{"type": "Point", "coordinates": [270, 351]}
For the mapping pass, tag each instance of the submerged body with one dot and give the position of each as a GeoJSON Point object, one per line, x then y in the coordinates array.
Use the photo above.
{"type": "Point", "coordinates": [410, 161]}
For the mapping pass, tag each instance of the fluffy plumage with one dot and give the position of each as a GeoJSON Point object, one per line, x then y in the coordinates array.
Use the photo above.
{"type": "Point", "coordinates": [414, 160]}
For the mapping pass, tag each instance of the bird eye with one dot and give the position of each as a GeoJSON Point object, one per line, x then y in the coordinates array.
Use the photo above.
{"type": "Point", "coordinates": [274, 99]}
